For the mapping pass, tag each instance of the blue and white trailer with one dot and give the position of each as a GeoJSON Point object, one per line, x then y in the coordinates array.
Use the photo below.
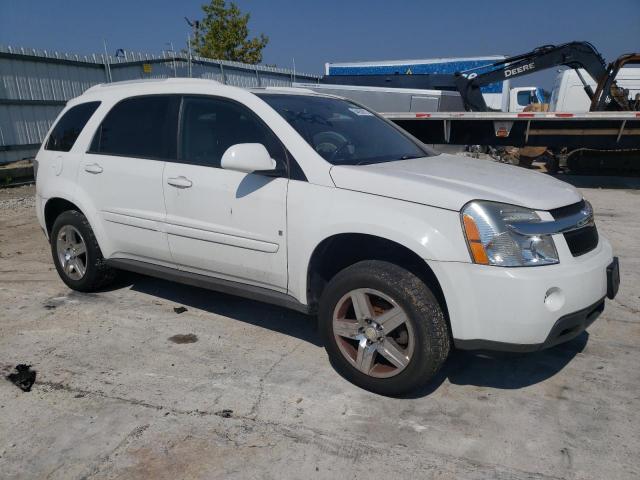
{"type": "Point", "coordinates": [496, 95]}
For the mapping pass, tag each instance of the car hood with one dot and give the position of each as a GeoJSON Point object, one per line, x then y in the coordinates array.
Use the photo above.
{"type": "Point", "coordinates": [450, 181]}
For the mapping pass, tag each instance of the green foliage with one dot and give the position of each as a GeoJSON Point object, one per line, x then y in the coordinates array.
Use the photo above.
{"type": "Point", "coordinates": [223, 34]}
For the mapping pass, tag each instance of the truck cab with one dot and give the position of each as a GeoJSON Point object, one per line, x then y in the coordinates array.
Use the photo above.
{"type": "Point", "coordinates": [522, 97]}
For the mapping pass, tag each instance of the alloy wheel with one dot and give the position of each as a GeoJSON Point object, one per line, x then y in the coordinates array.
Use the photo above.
{"type": "Point", "coordinates": [72, 252]}
{"type": "Point", "coordinates": [373, 333]}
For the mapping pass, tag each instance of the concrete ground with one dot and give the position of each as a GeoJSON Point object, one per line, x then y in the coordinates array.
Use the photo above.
{"type": "Point", "coordinates": [250, 393]}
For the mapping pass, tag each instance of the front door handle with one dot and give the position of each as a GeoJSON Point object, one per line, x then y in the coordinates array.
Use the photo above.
{"type": "Point", "coordinates": [93, 168]}
{"type": "Point", "coordinates": [180, 182]}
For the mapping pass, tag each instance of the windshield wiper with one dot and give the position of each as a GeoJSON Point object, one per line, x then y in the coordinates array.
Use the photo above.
{"type": "Point", "coordinates": [370, 161]}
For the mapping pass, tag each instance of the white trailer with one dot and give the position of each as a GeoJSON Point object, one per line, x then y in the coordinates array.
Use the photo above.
{"type": "Point", "coordinates": [383, 99]}
{"type": "Point", "coordinates": [582, 141]}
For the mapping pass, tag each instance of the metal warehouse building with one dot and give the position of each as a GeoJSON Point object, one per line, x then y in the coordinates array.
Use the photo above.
{"type": "Point", "coordinates": [35, 85]}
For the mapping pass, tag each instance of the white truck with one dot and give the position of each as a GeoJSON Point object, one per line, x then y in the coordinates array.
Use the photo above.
{"type": "Point", "coordinates": [601, 136]}
{"type": "Point", "coordinates": [568, 94]}
{"type": "Point", "coordinates": [318, 204]}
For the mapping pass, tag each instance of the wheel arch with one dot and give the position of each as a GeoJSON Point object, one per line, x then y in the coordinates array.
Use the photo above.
{"type": "Point", "coordinates": [341, 250]}
{"type": "Point", "coordinates": [56, 205]}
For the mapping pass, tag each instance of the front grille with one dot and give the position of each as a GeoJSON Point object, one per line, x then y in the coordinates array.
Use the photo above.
{"type": "Point", "coordinates": [582, 241]}
{"type": "Point", "coordinates": [568, 210]}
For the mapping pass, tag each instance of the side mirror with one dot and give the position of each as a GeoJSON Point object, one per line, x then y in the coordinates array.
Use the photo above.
{"type": "Point", "coordinates": [248, 158]}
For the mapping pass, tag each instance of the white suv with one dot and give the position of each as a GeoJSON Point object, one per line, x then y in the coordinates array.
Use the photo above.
{"type": "Point", "coordinates": [315, 203]}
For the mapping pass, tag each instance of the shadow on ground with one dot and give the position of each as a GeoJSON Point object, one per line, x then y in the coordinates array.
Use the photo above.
{"type": "Point", "coordinates": [483, 369]}
{"type": "Point", "coordinates": [272, 317]}
{"type": "Point", "coordinates": [505, 371]}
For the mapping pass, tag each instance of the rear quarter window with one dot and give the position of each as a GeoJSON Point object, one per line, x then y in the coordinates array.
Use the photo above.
{"type": "Point", "coordinates": [68, 128]}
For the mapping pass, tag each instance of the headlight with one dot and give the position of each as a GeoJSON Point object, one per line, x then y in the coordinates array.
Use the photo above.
{"type": "Point", "coordinates": [492, 242]}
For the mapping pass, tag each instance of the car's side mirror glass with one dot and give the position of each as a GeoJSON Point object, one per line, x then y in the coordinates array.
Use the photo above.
{"type": "Point", "coordinates": [248, 158]}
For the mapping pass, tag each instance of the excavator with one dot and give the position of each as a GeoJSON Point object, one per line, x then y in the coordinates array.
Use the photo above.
{"type": "Point", "coordinates": [608, 96]}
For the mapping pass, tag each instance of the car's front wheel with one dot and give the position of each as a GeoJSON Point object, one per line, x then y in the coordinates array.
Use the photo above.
{"type": "Point", "coordinates": [383, 328]}
{"type": "Point", "coordinates": [76, 253]}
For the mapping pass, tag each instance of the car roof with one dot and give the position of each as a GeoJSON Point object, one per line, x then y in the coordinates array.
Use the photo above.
{"type": "Point", "coordinates": [129, 88]}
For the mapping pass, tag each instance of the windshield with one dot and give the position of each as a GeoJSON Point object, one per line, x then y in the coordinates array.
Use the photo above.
{"type": "Point", "coordinates": [344, 133]}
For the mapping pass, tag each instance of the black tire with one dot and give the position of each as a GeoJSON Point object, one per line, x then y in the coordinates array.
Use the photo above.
{"type": "Point", "coordinates": [97, 274]}
{"type": "Point", "coordinates": [424, 313]}
{"type": "Point", "coordinates": [553, 164]}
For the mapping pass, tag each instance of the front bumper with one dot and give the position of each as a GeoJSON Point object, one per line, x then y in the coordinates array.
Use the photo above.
{"type": "Point", "coordinates": [527, 308]}
{"type": "Point", "coordinates": [565, 329]}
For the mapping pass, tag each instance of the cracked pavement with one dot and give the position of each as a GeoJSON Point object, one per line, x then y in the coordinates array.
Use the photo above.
{"type": "Point", "coordinates": [255, 397]}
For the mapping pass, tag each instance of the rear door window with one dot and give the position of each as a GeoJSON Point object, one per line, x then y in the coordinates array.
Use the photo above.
{"type": "Point", "coordinates": [68, 128]}
{"type": "Point", "coordinates": [142, 127]}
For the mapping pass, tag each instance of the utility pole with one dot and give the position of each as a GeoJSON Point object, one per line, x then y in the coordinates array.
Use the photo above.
{"type": "Point", "coordinates": [189, 53]}
{"type": "Point", "coordinates": [107, 66]}
{"type": "Point", "coordinates": [173, 56]}
{"type": "Point", "coordinates": [192, 25]}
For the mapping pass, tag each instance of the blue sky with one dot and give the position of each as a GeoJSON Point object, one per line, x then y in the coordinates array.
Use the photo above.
{"type": "Point", "coordinates": [320, 31]}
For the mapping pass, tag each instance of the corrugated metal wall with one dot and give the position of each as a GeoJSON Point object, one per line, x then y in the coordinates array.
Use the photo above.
{"type": "Point", "coordinates": [35, 85]}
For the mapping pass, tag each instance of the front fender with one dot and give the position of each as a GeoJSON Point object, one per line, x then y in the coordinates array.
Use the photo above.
{"type": "Point", "coordinates": [316, 212]}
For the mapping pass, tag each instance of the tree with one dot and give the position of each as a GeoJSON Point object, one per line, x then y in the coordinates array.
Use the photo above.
{"type": "Point", "coordinates": [223, 34]}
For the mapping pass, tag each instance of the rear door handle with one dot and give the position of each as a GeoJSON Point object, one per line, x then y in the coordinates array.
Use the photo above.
{"type": "Point", "coordinates": [180, 182]}
{"type": "Point", "coordinates": [93, 168]}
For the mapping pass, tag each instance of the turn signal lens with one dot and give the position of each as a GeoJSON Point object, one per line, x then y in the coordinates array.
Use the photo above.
{"type": "Point", "coordinates": [473, 238]}
{"type": "Point", "coordinates": [470, 228]}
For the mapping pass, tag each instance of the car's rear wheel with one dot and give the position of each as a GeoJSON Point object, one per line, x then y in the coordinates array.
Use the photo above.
{"type": "Point", "coordinates": [77, 255]}
{"type": "Point", "coordinates": [383, 328]}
